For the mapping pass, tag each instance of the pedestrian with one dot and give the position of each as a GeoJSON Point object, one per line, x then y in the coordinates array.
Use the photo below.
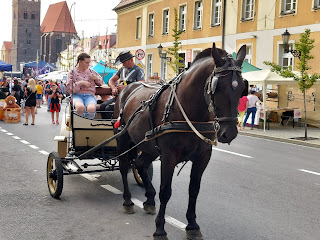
{"type": "Point", "coordinates": [242, 108]}
{"type": "Point", "coordinates": [39, 93]}
{"type": "Point", "coordinates": [63, 90]}
{"type": "Point", "coordinates": [252, 109]}
{"type": "Point", "coordinates": [81, 84]}
{"type": "Point", "coordinates": [30, 103]}
{"type": "Point", "coordinates": [127, 74]}
{"type": "Point", "coordinates": [54, 96]}
{"type": "Point", "coordinates": [16, 91]}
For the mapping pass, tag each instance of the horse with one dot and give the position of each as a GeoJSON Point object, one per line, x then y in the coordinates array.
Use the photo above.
{"type": "Point", "coordinates": [208, 93]}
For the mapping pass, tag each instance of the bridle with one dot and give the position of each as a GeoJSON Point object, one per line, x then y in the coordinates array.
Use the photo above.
{"type": "Point", "coordinates": [212, 82]}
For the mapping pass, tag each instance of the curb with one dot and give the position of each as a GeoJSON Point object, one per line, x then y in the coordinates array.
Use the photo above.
{"type": "Point", "coordinates": [298, 142]}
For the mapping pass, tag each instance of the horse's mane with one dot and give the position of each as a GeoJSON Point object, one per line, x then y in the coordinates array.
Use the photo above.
{"type": "Point", "coordinates": [207, 53]}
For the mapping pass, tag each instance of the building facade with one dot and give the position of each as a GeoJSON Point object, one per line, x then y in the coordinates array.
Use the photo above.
{"type": "Point", "coordinates": [6, 52]}
{"type": "Point", "coordinates": [57, 32]}
{"type": "Point", "coordinates": [259, 24]}
{"type": "Point", "coordinates": [25, 32]}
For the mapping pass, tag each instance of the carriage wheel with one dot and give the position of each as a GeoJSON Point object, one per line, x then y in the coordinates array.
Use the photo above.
{"type": "Point", "coordinates": [137, 175]}
{"type": "Point", "coordinates": [54, 174]}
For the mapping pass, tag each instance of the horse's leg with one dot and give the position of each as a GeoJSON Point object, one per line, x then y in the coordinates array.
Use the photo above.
{"type": "Point", "coordinates": [168, 164]}
{"type": "Point", "coordinates": [198, 167]}
{"type": "Point", "coordinates": [123, 145]}
{"type": "Point", "coordinates": [142, 164]}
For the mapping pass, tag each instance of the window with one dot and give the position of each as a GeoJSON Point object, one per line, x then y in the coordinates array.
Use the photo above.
{"type": "Point", "coordinates": [25, 15]}
{"type": "Point", "coordinates": [138, 28]}
{"type": "Point", "coordinates": [198, 15]}
{"type": "Point", "coordinates": [149, 65]}
{"type": "Point", "coordinates": [28, 41]}
{"type": "Point", "coordinates": [164, 68]}
{"type": "Point", "coordinates": [182, 59]}
{"type": "Point", "coordinates": [247, 9]}
{"type": "Point", "coordinates": [195, 53]}
{"type": "Point", "coordinates": [286, 59]}
{"type": "Point", "coordinates": [216, 13]}
{"type": "Point", "coordinates": [182, 17]}
{"type": "Point", "coordinates": [151, 25]}
{"type": "Point", "coordinates": [316, 4]}
{"type": "Point", "coordinates": [165, 24]}
{"type": "Point", "coordinates": [33, 16]}
{"type": "Point", "coordinates": [248, 58]}
{"type": "Point", "coordinates": [288, 6]}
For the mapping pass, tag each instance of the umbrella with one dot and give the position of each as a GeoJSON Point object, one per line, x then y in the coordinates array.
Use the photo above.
{"type": "Point", "coordinates": [101, 69]}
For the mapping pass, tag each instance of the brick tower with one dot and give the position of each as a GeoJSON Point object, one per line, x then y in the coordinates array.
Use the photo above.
{"type": "Point", "coordinates": [25, 31]}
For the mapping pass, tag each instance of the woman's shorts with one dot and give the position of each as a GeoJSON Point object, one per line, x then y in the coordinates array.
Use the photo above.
{"type": "Point", "coordinates": [85, 98]}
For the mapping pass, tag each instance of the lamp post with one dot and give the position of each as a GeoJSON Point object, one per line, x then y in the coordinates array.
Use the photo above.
{"type": "Point", "coordinates": [161, 55]}
{"type": "Point", "coordinates": [285, 40]}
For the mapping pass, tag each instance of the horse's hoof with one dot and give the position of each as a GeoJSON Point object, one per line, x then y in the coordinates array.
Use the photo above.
{"type": "Point", "coordinates": [129, 209]}
{"type": "Point", "coordinates": [149, 209]}
{"type": "Point", "coordinates": [194, 235]}
{"type": "Point", "coordinates": [160, 238]}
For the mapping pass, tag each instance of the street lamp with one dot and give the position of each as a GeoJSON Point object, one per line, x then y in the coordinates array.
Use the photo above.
{"type": "Point", "coordinates": [161, 55]}
{"type": "Point", "coordinates": [285, 39]}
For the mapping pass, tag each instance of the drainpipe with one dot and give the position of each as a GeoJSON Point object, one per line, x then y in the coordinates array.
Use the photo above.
{"type": "Point", "coordinates": [224, 22]}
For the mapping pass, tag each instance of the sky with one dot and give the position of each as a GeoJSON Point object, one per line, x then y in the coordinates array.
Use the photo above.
{"type": "Point", "coordinates": [93, 17]}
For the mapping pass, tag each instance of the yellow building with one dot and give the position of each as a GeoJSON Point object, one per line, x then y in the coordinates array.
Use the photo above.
{"type": "Point", "coordinates": [144, 24]}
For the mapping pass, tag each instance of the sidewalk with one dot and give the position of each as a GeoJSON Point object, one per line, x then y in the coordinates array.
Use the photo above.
{"type": "Point", "coordinates": [285, 134]}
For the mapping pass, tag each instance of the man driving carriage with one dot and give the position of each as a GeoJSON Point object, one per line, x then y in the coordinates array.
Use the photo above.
{"type": "Point", "coordinates": [127, 74]}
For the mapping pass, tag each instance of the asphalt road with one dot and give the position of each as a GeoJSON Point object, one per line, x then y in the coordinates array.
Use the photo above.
{"type": "Point", "coordinates": [252, 189]}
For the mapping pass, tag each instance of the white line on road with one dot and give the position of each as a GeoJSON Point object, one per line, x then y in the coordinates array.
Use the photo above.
{"type": "Point", "coordinates": [111, 189]}
{"type": "Point", "coordinates": [2, 130]}
{"type": "Point", "coordinates": [238, 154]}
{"type": "Point", "coordinates": [139, 204]}
{"type": "Point", "coordinates": [43, 152]}
{"type": "Point", "coordinates": [89, 177]}
{"type": "Point", "coordinates": [24, 141]}
{"type": "Point", "coordinates": [307, 171]}
{"type": "Point", "coordinates": [16, 137]}
{"type": "Point", "coordinates": [10, 134]}
{"type": "Point", "coordinates": [33, 146]}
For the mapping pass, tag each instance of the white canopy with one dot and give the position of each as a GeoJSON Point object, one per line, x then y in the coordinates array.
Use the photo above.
{"type": "Point", "coordinates": [56, 75]}
{"type": "Point", "coordinates": [264, 77]}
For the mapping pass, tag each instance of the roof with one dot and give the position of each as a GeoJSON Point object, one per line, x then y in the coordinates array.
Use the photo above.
{"type": "Point", "coordinates": [7, 45]}
{"type": "Point", "coordinates": [125, 3]}
{"type": "Point", "coordinates": [58, 19]}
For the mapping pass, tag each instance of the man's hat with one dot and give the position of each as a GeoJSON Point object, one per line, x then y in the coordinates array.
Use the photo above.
{"type": "Point", "coordinates": [123, 56]}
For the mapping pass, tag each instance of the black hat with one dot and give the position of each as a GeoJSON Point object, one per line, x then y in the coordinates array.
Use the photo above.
{"type": "Point", "coordinates": [123, 56]}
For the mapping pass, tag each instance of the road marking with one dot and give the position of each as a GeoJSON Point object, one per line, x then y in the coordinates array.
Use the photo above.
{"type": "Point", "coordinates": [307, 171]}
{"type": "Point", "coordinates": [111, 189]}
{"type": "Point", "coordinates": [238, 154]}
{"type": "Point", "coordinates": [139, 204]}
{"type": "Point", "coordinates": [43, 152]}
{"type": "Point", "coordinates": [2, 130]}
{"type": "Point", "coordinates": [89, 177]}
{"type": "Point", "coordinates": [33, 146]}
{"type": "Point", "coordinates": [24, 141]}
{"type": "Point", "coordinates": [16, 137]}
{"type": "Point", "coordinates": [10, 134]}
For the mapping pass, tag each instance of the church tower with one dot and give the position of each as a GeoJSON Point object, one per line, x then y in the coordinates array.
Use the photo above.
{"type": "Point", "coordinates": [25, 32]}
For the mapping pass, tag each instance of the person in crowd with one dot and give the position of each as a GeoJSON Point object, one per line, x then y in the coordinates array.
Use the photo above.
{"type": "Point", "coordinates": [55, 95]}
{"type": "Point", "coordinates": [81, 82]}
{"type": "Point", "coordinates": [127, 74]}
{"type": "Point", "coordinates": [16, 91]}
{"type": "Point", "coordinates": [39, 93]}
{"type": "Point", "coordinates": [242, 108]}
{"type": "Point", "coordinates": [62, 90]}
{"type": "Point", "coordinates": [30, 101]}
{"type": "Point", "coordinates": [252, 108]}
{"type": "Point", "coordinates": [47, 90]}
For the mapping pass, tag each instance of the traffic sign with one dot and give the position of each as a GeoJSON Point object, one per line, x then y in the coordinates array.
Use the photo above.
{"type": "Point", "coordinates": [140, 64]}
{"type": "Point", "coordinates": [140, 54]}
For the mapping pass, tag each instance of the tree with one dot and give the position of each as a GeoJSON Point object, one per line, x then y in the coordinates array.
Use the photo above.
{"type": "Point", "coordinates": [176, 64]}
{"type": "Point", "coordinates": [305, 81]}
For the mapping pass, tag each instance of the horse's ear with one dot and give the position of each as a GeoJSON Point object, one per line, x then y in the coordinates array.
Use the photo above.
{"type": "Point", "coordinates": [216, 56]}
{"type": "Point", "coordinates": [241, 53]}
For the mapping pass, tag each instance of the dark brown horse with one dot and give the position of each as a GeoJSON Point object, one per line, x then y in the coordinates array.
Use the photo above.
{"type": "Point", "coordinates": [213, 79]}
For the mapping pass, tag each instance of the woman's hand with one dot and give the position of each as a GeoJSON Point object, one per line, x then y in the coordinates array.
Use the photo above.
{"type": "Point", "coordinates": [114, 91]}
{"type": "Point", "coordinates": [120, 87]}
{"type": "Point", "coordinates": [85, 84]}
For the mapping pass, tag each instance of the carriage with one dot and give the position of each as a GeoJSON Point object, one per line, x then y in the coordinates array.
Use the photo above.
{"type": "Point", "coordinates": [79, 134]}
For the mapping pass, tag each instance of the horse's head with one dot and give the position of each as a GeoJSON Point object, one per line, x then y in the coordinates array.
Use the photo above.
{"type": "Point", "coordinates": [225, 86]}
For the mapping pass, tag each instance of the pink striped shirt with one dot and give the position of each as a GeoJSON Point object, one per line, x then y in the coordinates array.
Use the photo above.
{"type": "Point", "coordinates": [76, 75]}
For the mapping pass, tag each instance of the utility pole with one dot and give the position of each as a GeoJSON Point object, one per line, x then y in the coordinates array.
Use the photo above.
{"type": "Point", "coordinates": [224, 23]}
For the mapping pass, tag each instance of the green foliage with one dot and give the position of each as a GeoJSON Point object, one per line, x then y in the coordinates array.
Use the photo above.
{"type": "Point", "coordinates": [305, 81]}
{"type": "Point", "coordinates": [175, 64]}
